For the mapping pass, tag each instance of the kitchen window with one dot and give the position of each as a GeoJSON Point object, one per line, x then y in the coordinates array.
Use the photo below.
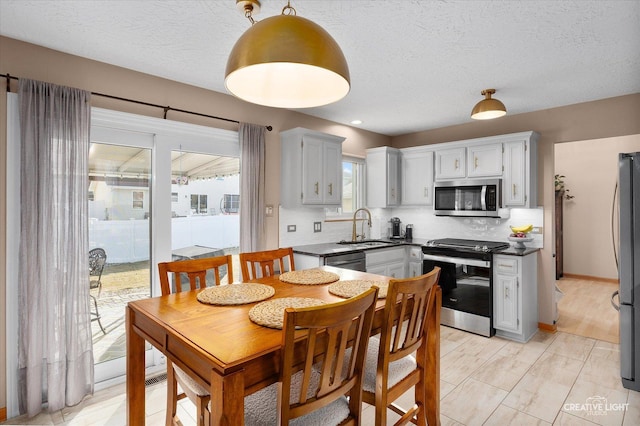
{"type": "Point", "coordinates": [353, 188]}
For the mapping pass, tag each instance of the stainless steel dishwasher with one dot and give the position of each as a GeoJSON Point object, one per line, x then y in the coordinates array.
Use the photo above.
{"type": "Point", "coordinates": [353, 260]}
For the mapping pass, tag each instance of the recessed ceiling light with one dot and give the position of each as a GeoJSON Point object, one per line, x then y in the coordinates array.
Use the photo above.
{"type": "Point", "coordinates": [356, 121]}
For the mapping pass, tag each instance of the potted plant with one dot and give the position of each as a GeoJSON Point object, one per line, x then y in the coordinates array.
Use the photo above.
{"type": "Point", "coordinates": [561, 188]}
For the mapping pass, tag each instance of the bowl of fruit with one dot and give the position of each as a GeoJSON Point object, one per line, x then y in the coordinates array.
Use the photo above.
{"type": "Point", "coordinates": [519, 235]}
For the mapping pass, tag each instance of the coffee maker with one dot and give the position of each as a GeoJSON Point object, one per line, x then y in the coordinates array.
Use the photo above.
{"type": "Point", "coordinates": [395, 228]}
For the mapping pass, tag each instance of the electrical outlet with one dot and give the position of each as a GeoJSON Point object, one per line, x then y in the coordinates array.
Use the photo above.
{"type": "Point", "coordinates": [268, 210]}
{"type": "Point", "coordinates": [536, 230]}
{"type": "Point", "coordinates": [317, 226]}
{"type": "Point", "coordinates": [291, 228]}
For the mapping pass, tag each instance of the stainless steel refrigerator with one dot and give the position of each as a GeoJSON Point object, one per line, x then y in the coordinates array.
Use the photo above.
{"type": "Point", "coordinates": [629, 269]}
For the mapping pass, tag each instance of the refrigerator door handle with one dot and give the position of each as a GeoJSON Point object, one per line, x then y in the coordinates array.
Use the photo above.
{"type": "Point", "coordinates": [613, 296]}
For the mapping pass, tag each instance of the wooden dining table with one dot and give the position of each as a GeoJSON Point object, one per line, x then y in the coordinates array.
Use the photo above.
{"type": "Point", "coordinates": [223, 350]}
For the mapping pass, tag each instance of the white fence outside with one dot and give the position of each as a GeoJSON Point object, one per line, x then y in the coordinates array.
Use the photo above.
{"type": "Point", "coordinates": [127, 241]}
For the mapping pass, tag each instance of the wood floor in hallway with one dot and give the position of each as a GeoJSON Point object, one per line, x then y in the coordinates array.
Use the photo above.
{"type": "Point", "coordinates": [585, 309]}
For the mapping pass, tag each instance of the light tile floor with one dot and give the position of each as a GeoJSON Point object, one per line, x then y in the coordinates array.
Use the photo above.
{"type": "Point", "coordinates": [558, 379]}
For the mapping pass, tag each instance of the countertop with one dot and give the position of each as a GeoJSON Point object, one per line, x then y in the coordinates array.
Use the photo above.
{"type": "Point", "coordinates": [332, 249]}
{"type": "Point", "coordinates": [512, 251]}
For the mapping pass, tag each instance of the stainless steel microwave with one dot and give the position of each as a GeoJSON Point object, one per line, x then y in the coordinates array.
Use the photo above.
{"type": "Point", "coordinates": [473, 197]}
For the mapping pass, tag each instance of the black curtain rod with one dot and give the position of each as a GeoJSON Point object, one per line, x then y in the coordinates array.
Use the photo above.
{"type": "Point", "coordinates": [165, 108]}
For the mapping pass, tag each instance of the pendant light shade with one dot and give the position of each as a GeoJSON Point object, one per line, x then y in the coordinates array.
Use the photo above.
{"type": "Point", "coordinates": [488, 108]}
{"type": "Point", "coordinates": [287, 61]}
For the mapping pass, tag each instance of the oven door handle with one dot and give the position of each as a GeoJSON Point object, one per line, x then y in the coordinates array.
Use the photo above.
{"type": "Point", "coordinates": [458, 260]}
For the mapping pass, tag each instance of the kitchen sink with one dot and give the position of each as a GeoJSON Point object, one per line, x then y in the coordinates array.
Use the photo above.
{"type": "Point", "coordinates": [367, 243]}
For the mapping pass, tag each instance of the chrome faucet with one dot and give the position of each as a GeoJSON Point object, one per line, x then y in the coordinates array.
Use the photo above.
{"type": "Point", "coordinates": [354, 235]}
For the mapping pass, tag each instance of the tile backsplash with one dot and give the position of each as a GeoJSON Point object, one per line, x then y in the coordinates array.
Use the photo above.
{"type": "Point", "coordinates": [425, 225]}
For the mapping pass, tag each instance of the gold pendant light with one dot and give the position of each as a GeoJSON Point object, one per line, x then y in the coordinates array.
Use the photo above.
{"type": "Point", "coordinates": [286, 61]}
{"type": "Point", "coordinates": [488, 108]}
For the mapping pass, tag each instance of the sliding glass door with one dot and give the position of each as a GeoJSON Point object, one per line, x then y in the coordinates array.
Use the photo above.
{"type": "Point", "coordinates": [120, 213]}
{"type": "Point", "coordinates": [159, 190]}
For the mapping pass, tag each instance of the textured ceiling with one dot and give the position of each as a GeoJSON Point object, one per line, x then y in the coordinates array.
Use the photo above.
{"type": "Point", "coordinates": [415, 65]}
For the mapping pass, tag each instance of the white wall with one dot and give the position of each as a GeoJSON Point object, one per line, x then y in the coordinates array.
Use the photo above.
{"type": "Point", "coordinates": [591, 170]}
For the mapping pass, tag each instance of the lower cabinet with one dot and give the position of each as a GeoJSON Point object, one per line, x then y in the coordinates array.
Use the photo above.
{"type": "Point", "coordinates": [515, 296]}
{"type": "Point", "coordinates": [414, 268]}
{"type": "Point", "coordinates": [390, 262]}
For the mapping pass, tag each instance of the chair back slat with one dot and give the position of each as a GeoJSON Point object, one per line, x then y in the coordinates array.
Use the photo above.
{"type": "Point", "coordinates": [263, 263]}
{"type": "Point", "coordinates": [195, 270]}
{"type": "Point", "coordinates": [404, 331]}
{"type": "Point", "coordinates": [328, 330]}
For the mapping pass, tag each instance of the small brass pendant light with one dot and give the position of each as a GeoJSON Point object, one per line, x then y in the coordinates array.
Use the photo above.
{"type": "Point", "coordinates": [488, 108]}
{"type": "Point", "coordinates": [286, 61]}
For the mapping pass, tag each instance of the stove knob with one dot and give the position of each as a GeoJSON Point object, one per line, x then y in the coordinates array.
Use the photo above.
{"type": "Point", "coordinates": [485, 248]}
{"type": "Point", "coordinates": [476, 248]}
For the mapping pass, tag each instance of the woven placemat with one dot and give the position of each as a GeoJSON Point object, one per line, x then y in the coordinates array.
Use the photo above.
{"type": "Point", "coordinates": [350, 288]}
{"type": "Point", "coordinates": [235, 294]}
{"type": "Point", "coordinates": [309, 277]}
{"type": "Point", "coordinates": [271, 313]}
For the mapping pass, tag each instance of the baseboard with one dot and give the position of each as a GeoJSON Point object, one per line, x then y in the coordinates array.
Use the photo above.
{"type": "Point", "coordinates": [590, 278]}
{"type": "Point", "coordinates": [3, 414]}
{"type": "Point", "coordinates": [549, 328]}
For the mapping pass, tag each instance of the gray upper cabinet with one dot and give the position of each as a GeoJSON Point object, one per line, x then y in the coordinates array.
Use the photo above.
{"type": "Point", "coordinates": [310, 169]}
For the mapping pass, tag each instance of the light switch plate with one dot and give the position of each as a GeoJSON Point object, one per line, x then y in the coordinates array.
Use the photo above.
{"type": "Point", "coordinates": [291, 228]}
{"type": "Point", "coordinates": [317, 226]}
{"type": "Point", "coordinates": [268, 210]}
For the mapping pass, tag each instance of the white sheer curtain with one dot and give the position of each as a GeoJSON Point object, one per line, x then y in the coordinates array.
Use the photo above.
{"type": "Point", "coordinates": [55, 358]}
{"type": "Point", "coordinates": [252, 164]}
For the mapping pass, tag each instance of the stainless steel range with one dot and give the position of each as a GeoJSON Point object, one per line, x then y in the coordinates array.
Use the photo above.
{"type": "Point", "coordinates": [466, 280]}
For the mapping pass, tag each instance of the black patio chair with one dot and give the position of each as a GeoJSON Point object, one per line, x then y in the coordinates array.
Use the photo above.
{"type": "Point", "coordinates": [97, 260]}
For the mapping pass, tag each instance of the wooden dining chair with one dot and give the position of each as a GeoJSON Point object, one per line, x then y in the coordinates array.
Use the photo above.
{"type": "Point", "coordinates": [196, 271]}
{"type": "Point", "coordinates": [266, 263]}
{"type": "Point", "coordinates": [390, 368]}
{"type": "Point", "coordinates": [312, 388]}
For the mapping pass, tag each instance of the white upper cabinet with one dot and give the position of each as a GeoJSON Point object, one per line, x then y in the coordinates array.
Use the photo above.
{"type": "Point", "coordinates": [416, 172]}
{"type": "Point", "coordinates": [405, 177]}
{"type": "Point", "coordinates": [512, 157]}
{"type": "Point", "coordinates": [450, 163]}
{"type": "Point", "coordinates": [484, 160]}
{"type": "Point", "coordinates": [310, 168]}
{"type": "Point", "coordinates": [520, 177]}
{"type": "Point", "coordinates": [383, 177]}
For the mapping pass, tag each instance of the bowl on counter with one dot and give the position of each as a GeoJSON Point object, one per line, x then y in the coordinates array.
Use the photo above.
{"type": "Point", "coordinates": [519, 241]}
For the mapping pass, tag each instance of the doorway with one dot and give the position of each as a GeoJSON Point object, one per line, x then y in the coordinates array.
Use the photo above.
{"type": "Point", "coordinates": [589, 169]}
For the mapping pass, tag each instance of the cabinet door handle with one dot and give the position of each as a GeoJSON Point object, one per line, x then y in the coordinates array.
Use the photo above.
{"type": "Point", "coordinates": [393, 193]}
{"type": "Point", "coordinates": [506, 292]}
{"type": "Point", "coordinates": [475, 162]}
{"type": "Point", "coordinates": [457, 163]}
{"type": "Point", "coordinates": [316, 187]}
{"type": "Point", "coordinates": [426, 192]}
{"type": "Point", "coordinates": [514, 189]}
{"type": "Point", "coordinates": [330, 189]}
